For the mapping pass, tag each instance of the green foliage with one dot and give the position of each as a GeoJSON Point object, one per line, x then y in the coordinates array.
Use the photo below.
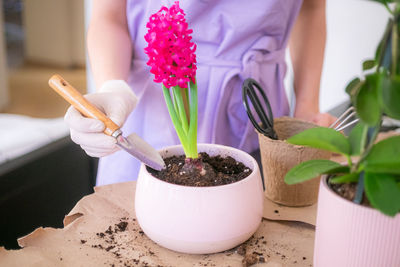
{"type": "Point", "coordinates": [322, 138]}
{"type": "Point", "coordinates": [186, 128]}
{"type": "Point", "coordinates": [383, 192]}
{"type": "Point", "coordinates": [381, 160]}
{"type": "Point", "coordinates": [368, 64]}
{"type": "Point", "coordinates": [384, 1]}
{"type": "Point", "coordinates": [376, 93]}
{"type": "Point", "coordinates": [384, 157]}
{"type": "Point", "coordinates": [353, 88]}
{"type": "Point", "coordinates": [309, 169]}
{"type": "Point", "coordinates": [347, 178]}
{"type": "Point", "coordinates": [342, 169]}
{"type": "Point", "coordinates": [390, 96]}
{"type": "Point", "coordinates": [356, 138]}
{"type": "Point", "coordinates": [367, 102]}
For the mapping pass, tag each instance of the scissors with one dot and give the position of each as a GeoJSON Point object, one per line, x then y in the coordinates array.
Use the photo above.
{"type": "Point", "coordinates": [267, 122]}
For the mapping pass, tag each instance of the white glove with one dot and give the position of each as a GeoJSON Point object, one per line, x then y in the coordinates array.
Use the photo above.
{"type": "Point", "coordinates": [116, 99]}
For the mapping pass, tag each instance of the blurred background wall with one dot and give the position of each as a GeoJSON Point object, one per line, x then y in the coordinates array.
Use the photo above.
{"type": "Point", "coordinates": [41, 37]}
{"type": "Point", "coordinates": [354, 28]}
{"type": "Point", "coordinates": [54, 32]}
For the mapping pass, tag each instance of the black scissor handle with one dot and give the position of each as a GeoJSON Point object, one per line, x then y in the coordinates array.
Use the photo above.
{"type": "Point", "coordinates": [267, 122]}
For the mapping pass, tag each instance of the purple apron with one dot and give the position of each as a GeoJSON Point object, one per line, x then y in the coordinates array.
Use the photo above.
{"type": "Point", "coordinates": [235, 40]}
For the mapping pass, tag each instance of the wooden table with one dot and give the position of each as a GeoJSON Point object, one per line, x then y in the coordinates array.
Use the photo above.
{"type": "Point", "coordinates": [101, 230]}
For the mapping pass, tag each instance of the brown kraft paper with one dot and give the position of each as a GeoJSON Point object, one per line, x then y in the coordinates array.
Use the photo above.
{"type": "Point", "coordinates": [101, 230]}
{"type": "Point", "coordinates": [278, 157]}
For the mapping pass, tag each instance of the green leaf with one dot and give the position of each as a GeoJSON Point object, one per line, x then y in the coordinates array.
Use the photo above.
{"type": "Point", "coordinates": [179, 100]}
{"type": "Point", "coordinates": [193, 110]}
{"type": "Point", "coordinates": [383, 49]}
{"type": "Point", "coordinates": [386, 50]}
{"type": "Point", "coordinates": [308, 170]}
{"type": "Point", "coordinates": [390, 96]}
{"type": "Point", "coordinates": [322, 138]}
{"type": "Point", "coordinates": [367, 102]}
{"type": "Point", "coordinates": [385, 2]}
{"type": "Point", "coordinates": [382, 1]}
{"type": "Point", "coordinates": [347, 178]}
{"type": "Point", "coordinates": [357, 137]}
{"type": "Point", "coordinates": [383, 192]}
{"type": "Point", "coordinates": [384, 157]}
{"type": "Point", "coordinates": [175, 119]}
{"type": "Point", "coordinates": [353, 87]}
{"type": "Point", "coordinates": [368, 64]}
{"type": "Point", "coordinates": [340, 169]}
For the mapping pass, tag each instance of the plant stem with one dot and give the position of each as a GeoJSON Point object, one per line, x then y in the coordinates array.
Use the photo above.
{"type": "Point", "coordinates": [372, 134]}
{"type": "Point", "coordinates": [388, 8]}
{"type": "Point", "coordinates": [175, 119]}
{"type": "Point", "coordinates": [364, 138]}
{"type": "Point", "coordinates": [363, 141]}
{"type": "Point", "coordinates": [185, 93]}
{"type": "Point", "coordinates": [175, 104]}
{"type": "Point", "coordinates": [360, 189]}
{"type": "Point", "coordinates": [382, 60]}
{"type": "Point", "coordinates": [181, 108]}
{"type": "Point", "coordinates": [394, 47]}
{"type": "Point", "coordinates": [192, 134]}
{"type": "Point", "coordinates": [186, 127]}
{"type": "Point", "coordinates": [349, 161]}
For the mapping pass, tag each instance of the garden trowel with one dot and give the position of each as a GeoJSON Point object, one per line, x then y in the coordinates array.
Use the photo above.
{"type": "Point", "coordinates": [133, 144]}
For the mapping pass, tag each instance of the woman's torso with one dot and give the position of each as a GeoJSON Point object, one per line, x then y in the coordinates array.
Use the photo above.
{"type": "Point", "coordinates": [235, 40]}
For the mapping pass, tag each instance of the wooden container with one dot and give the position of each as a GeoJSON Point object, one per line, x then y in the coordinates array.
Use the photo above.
{"type": "Point", "coordinates": [278, 157]}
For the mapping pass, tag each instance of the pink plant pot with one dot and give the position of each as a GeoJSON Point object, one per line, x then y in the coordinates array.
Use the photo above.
{"type": "Point", "coordinates": [200, 220]}
{"type": "Point", "coordinates": [348, 234]}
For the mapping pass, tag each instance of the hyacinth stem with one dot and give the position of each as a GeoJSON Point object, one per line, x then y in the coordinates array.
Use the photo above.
{"type": "Point", "coordinates": [192, 134]}
{"type": "Point", "coordinates": [175, 119]}
{"type": "Point", "coordinates": [175, 105]}
{"type": "Point", "coordinates": [178, 96]}
{"type": "Point", "coordinates": [185, 128]}
{"type": "Point", "coordinates": [185, 93]}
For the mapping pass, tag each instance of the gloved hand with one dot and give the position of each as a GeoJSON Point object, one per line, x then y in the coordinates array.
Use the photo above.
{"type": "Point", "coordinates": [116, 99]}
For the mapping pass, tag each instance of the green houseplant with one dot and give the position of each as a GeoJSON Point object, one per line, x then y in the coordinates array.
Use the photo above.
{"type": "Point", "coordinates": [347, 233]}
{"type": "Point", "coordinates": [377, 169]}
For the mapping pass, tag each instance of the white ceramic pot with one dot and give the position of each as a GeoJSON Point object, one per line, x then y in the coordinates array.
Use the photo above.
{"type": "Point", "coordinates": [200, 219]}
{"type": "Point", "coordinates": [348, 234]}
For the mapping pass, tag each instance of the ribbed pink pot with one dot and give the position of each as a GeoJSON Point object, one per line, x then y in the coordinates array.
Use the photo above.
{"type": "Point", "coordinates": [200, 219]}
{"type": "Point", "coordinates": [348, 234]}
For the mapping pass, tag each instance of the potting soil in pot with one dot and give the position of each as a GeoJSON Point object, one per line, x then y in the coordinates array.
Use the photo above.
{"type": "Point", "coordinates": [348, 191]}
{"type": "Point", "coordinates": [218, 171]}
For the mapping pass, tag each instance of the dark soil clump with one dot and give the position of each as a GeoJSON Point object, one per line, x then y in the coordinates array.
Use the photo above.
{"type": "Point", "coordinates": [249, 259]}
{"type": "Point", "coordinates": [348, 191]}
{"type": "Point", "coordinates": [218, 171]}
{"type": "Point", "coordinates": [120, 227]}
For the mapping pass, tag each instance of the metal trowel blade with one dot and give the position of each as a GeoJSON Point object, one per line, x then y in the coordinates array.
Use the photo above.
{"type": "Point", "coordinates": [141, 150]}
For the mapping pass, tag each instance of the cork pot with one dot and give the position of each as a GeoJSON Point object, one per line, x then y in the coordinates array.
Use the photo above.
{"type": "Point", "coordinates": [348, 234]}
{"type": "Point", "coordinates": [200, 220]}
{"type": "Point", "coordinates": [278, 157]}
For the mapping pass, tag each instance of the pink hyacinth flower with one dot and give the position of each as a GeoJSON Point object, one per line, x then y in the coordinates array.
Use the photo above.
{"type": "Point", "coordinates": [171, 53]}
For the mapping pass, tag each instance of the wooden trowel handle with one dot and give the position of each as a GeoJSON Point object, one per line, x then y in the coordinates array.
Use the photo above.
{"type": "Point", "coordinates": [76, 99]}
